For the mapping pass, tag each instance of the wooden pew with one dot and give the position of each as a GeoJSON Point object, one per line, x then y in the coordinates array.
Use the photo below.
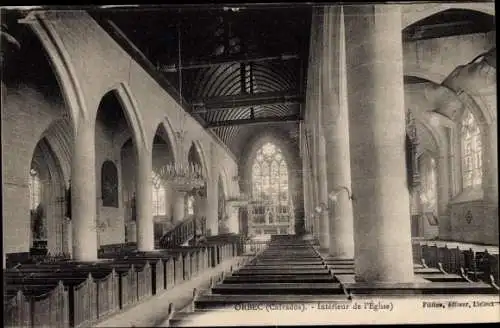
{"type": "Point", "coordinates": [127, 275]}
{"type": "Point", "coordinates": [16, 309]}
{"type": "Point", "coordinates": [81, 296]}
{"type": "Point", "coordinates": [158, 265]}
{"type": "Point", "coordinates": [36, 305]}
{"type": "Point", "coordinates": [328, 288]}
{"type": "Point", "coordinates": [105, 279]}
{"type": "Point", "coordinates": [142, 275]}
{"type": "Point", "coordinates": [13, 259]}
{"type": "Point", "coordinates": [172, 265]}
{"type": "Point", "coordinates": [313, 278]}
{"type": "Point", "coordinates": [444, 257]}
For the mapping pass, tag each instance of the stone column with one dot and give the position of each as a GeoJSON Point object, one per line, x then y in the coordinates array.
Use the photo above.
{"type": "Point", "coordinates": [315, 184]}
{"type": "Point", "coordinates": [83, 193]}
{"type": "Point", "coordinates": [179, 206]}
{"type": "Point", "coordinates": [443, 194]}
{"type": "Point", "coordinates": [306, 184]}
{"type": "Point", "coordinates": [306, 180]}
{"type": "Point", "coordinates": [233, 224]}
{"type": "Point", "coordinates": [324, 227]}
{"type": "Point", "coordinates": [132, 231]}
{"type": "Point", "coordinates": [67, 237]}
{"type": "Point", "coordinates": [374, 56]}
{"type": "Point", "coordinates": [336, 131]}
{"type": "Point", "coordinates": [212, 200]}
{"type": "Point", "coordinates": [144, 187]}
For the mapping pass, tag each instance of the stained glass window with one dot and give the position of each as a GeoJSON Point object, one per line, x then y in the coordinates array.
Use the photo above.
{"type": "Point", "coordinates": [270, 175]}
{"type": "Point", "coordinates": [159, 194]}
{"type": "Point", "coordinates": [35, 189]}
{"type": "Point", "coordinates": [471, 151]}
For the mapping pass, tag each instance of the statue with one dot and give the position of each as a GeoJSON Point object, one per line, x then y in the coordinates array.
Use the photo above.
{"type": "Point", "coordinates": [68, 202]}
{"type": "Point", "coordinates": [37, 222]}
{"type": "Point", "coordinates": [133, 208]}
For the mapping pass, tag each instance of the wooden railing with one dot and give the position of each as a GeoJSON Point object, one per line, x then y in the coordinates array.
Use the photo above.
{"type": "Point", "coordinates": [254, 246]}
{"type": "Point", "coordinates": [183, 231]}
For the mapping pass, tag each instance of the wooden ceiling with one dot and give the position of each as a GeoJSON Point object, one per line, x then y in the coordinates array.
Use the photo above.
{"type": "Point", "coordinates": [238, 67]}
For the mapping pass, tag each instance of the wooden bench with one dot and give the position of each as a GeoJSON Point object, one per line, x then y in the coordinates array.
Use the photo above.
{"type": "Point", "coordinates": [443, 277]}
{"type": "Point", "coordinates": [279, 278]}
{"type": "Point", "coordinates": [278, 288]}
{"type": "Point", "coordinates": [13, 259]}
{"type": "Point", "coordinates": [105, 279]}
{"type": "Point", "coordinates": [158, 264]}
{"type": "Point", "coordinates": [36, 305]}
{"type": "Point", "coordinates": [247, 272]}
{"type": "Point", "coordinates": [433, 288]}
{"type": "Point", "coordinates": [82, 293]}
{"type": "Point", "coordinates": [142, 279]}
{"type": "Point", "coordinates": [127, 274]}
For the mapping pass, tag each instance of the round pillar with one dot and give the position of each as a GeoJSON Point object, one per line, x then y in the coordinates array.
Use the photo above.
{"type": "Point", "coordinates": [179, 206]}
{"type": "Point", "coordinates": [336, 131]}
{"type": "Point", "coordinates": [144, 187]}
{"type": "Point", "coordinates": [83, 194]}
{"type": "Point", "coordinates": [374, 56]}
{"type": "Point", "coordinates": [324, 227]}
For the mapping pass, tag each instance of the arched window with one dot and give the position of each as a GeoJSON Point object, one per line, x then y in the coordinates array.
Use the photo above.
{"type": "Point", "coordinates": [35, 189]}
{"type": "Point", "coordinates": [471, 151]}
{"type": "Point", "coordinates": [36, 208]}
{"type": "Point", "coordinates": [270, 175]}
{"type": "Point", "coordinates": [159, 194]}
{"type": "Point", "coordinates": [190, 205]}
{"type": "Point", "coordinates": [109, 184]}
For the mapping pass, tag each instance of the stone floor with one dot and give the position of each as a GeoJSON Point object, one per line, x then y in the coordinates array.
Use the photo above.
{"type": "Point", "coordinates": [153, 311]}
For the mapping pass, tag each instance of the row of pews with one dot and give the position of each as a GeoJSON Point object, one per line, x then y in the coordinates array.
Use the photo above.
{"type": "Point", "coordinates": [476, 266]}
{"type": "Point", "coordinates": [67, 293]}
{"type": "Point", "coordinates": [291, 270]}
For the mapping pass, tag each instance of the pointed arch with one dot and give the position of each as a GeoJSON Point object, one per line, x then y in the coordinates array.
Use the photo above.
{"type": "Point", "coordinates": [59, 136]}
{"type": "Point", "coordinates": [47, 213]}
{"type": "Point", "coordinates": [134, 119]}
{"type": "Point", "coordinates": [61, 63]}
{"type": "Point", "coordinates": [201, 155]}
{"type": "Point", "coordinates": [167, 133]}
{"type": "Point", "coordinates": [417, 13]}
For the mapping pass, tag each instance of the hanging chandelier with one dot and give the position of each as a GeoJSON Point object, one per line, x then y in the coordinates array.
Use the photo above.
{"type": "Point", "coordinates": [183, 176]}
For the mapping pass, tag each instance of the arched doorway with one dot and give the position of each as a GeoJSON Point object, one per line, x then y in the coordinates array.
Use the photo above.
{"type": "Point", "coordinates": [47, 201]}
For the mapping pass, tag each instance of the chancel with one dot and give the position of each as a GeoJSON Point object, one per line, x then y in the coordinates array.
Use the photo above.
{"type": "Point", "coordinates": [199, 165]}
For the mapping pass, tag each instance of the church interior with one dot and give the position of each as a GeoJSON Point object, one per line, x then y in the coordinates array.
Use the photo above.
{"type": "Point", "coordinates": [184, 165]}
